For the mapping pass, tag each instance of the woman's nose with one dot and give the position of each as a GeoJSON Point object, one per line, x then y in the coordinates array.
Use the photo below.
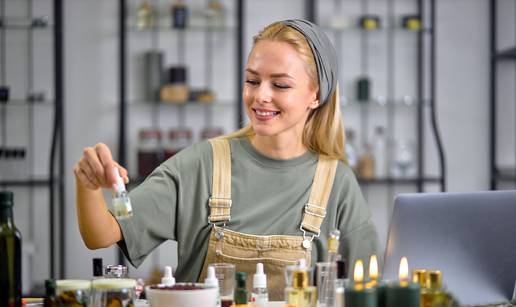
{"type": "Point", "coordinates": [263, 93]}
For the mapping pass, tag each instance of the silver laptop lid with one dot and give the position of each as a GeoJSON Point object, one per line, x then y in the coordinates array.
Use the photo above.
{"type": "Point", "coordinates": [470, 237]}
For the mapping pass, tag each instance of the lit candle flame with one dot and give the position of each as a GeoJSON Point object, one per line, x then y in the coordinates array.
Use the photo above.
{"type": "Point", "coordinates": [404, 272]}
{"type": "Point", "coordinates": [358, 275]}
{"type": "Point", "coordinates": [373, 268]}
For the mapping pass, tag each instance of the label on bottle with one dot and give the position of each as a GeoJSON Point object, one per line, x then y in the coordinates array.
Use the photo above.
{"type": "Point", "coordinates": [260, 300]}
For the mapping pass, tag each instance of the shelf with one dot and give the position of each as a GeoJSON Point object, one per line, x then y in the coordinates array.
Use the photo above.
{"type": "Point", "coordinates": [508, 54]}
{"type": "Point", "coordinates": [25, 183]}
{"type": "Point", "coordinates": [219, 29]}
{"type": "Point", "coordinates": [24, 102]}
{"type": "Point", "coordinates": [383, 30]}
{"type": "Point", "coordinates": [405, 181]}
{"type": "Point", "coordinates": [506, 174]}
{"type": "Point", "coordinates": [216, 103]}
{"type": "Point", "coordinates": [398, 103]}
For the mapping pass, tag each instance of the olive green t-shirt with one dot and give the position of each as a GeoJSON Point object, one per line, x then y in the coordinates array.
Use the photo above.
{"type": "Point", "coordinates": [268, 197]}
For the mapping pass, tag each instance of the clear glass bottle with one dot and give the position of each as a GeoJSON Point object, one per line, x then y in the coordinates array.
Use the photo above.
{"type": "Point", "coordinates": [260, 296]}
{"type": "Point", "coordinates": [146, 18]}
{"type": "Point", "coordinates": [122, 208]}
{"type": "Point", "coordinates": [380, 152]}
{"type": "Point", "coordinates": [351, 149]}
{"type": "Point", "coordinates": [300, 294]}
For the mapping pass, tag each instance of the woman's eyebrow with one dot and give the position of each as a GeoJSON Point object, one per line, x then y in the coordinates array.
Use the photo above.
{"type": "Point", "coordinates": [278, 75]}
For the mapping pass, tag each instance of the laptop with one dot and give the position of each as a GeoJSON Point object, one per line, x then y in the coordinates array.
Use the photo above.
{"type": "Point", "coordinates": [470, 237]}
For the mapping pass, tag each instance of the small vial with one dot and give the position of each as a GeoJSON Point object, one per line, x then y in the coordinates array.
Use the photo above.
{"type": "Point", "coordinates": [260, 296]}
{"type": "Point", "coordinates": [122, 208]}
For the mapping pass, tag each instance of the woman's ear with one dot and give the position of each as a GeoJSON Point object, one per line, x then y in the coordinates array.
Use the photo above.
{"type": "Point", "coordinates": [314, 104]}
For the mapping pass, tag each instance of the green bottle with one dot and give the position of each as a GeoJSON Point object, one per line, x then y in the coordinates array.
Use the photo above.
{"type": "Point", "coordinates": [240, 296]}
{"type": "Point", "coordinates": [50, 293]}
{"type": "Point", "coordinates": [10, 254]}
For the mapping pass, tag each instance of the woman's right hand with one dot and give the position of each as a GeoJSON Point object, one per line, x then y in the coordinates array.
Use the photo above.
{"type": "Point", "coordinates": [95, 169]}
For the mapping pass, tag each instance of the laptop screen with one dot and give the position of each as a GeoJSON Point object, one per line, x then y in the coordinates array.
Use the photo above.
{"type": "Point", "coordinates": [470, 237]}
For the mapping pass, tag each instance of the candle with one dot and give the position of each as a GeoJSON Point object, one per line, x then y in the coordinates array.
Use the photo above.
{"type": "Point", "coordinates": [404, 293]}
{"type": "Point", "coordinates": [360, 295]}
{"type": "Point", "coordinates": [374, 276]}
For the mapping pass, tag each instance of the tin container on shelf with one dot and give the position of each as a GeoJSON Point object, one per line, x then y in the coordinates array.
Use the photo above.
{"type": "Point", "coordinates": [72, 292]}
{"type": "Point", "coordinates": [178, 139]}
{"type": "Point", "coordinates": [113, 292]}
{"type": "Point", "coordinates": [150, 151]}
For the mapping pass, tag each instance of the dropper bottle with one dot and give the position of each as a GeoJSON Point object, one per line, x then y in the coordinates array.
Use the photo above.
{"type": "Point", "coordinates": [122, 208]}
{"type": "Point", "coordinates": [260, 297]}
{"type": "Point", "coordinates": [212, 281]}
{"type": "Point", "coordinates": [168, 280]}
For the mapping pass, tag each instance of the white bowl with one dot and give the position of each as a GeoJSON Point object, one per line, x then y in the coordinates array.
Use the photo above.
{"type": "Point", "coordinates": [206, 297]}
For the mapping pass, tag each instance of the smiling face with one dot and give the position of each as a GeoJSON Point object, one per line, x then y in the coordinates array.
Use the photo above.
{"type": "Point", "coordinates": [278, 92]}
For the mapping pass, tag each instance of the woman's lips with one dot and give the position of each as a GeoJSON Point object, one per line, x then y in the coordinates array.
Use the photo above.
{"type": "Point", "coordinates": [264, 114]}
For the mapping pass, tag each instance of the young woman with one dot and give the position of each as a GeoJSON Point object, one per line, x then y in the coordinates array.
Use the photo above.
{"type": "Point", "coordinates": [270, 192]}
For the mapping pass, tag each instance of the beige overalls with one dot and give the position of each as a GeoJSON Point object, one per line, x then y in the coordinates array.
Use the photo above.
{"type": "Point", "coordinates": [276, 251]}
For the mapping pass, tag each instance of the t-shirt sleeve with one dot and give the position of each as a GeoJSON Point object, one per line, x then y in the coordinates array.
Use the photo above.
{"type": "Point", "coordinates": [359, 237]}
{"type": "Point", "coordinates": [154, 205]}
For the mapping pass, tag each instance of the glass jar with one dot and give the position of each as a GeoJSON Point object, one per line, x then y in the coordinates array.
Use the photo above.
{"type": "Point", "coordinates": [113, 292]}
{"type": "Point", "coordinates": [72, 292]}
{"type": "Point", "coordinates": [178, 139]}
{"type": "Point", "coordinates": [150, 152]}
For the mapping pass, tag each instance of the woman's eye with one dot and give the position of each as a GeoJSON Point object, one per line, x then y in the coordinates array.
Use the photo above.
{"type": "Point", "coordinates": [281, 86]}
{"type": "Point", "coordinates": [251, 82]}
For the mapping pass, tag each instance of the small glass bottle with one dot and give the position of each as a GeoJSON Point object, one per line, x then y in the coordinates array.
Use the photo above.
{"type": "Point", "coordinates": [145, 16]}
{"type": "Point", "coordinates": [433, 295]}
{"type": "Point", "coordinates": [380, 152]}
{"type": "Point", "coordinates": [240, 295]}
{"type": "Point", "coordinates": [115, 271]}
{"type": "Point", "coordinates": [351, 149]}
{"type": "Point", "coordinates": [97, 268]}
{"type": "Point", "coordinates": [341, 283]}
{"type": "Point", "coordinates": [260, 296]}
{"type": "Point", "coordinates": [179, 12]}
{"type": "Point", "coordinates": [50, 299]}
{"type": "Point", "coordinates": [212, 281]}
{"type": "Point", "coordinates": [300, 294]}
{"type": "Point", "coordinates": [122, 208]}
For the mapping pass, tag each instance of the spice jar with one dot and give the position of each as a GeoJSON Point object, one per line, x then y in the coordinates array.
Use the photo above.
{"type": "Point", "coordinates": [72, 292]}
{"type": "Point", "coordinates": [178, 139]}
{"type": "Point", "coordinates": [112, 292]}
{"type": "Point", "coordinates": [150, 152]}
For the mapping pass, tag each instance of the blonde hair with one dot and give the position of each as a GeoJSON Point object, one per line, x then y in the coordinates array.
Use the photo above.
{"type": "Point", "coordinates": [323, 132]}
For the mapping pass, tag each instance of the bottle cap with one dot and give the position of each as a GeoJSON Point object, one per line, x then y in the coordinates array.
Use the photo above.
{"type": "Point", "coordinates": [240, 278]}
{"type": "Point", "coordinates": [434, 280]}
{"type": "Point", "coordinates": [419, 277]}
{"type": "Point", "coordinates": [50, 285]}
{"type": "Point", "coordinates": [300, 279]}
{"type": "Point", "coordinates": [211, 279]}
{"type": "Point", "coordinates": [6, 199]}
{"type": "Point", "coordinates": [120, 186]}
{"type": "Point", "coordinates": [168, 280]}
{"type": "Point", "coordinates": [97, 267]}
{"type": "Point", "coordinates": [259, 279]}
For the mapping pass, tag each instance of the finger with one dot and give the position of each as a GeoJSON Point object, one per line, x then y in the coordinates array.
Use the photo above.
{"type": "Point", "coordinates": [85, 181]}
{"type": "Point", "coordinates": [94, 162]}
{"type": "Point", "coordinates": [106, 158]}
{"type": "Point", "coordinates": [123, 172]}
{"type": "Point", "coordinates": [88, 171]}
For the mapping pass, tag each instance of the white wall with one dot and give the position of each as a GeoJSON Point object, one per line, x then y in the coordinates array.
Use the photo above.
{"type": "Point", "coordinates": [92, 86]}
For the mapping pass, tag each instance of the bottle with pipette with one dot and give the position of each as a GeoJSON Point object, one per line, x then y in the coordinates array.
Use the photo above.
{"type": "Point", "coordinates": [326, 297]}
{"type": "Point", "coordinates": [122, 208]}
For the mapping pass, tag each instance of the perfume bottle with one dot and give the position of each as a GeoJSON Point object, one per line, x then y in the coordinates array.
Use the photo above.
{"type": "Point", "coordinates": [300, 294]}
{"type": "Point", "coordinates": [122, 208]}
{"type": "Point", "coordinates": [433, 295]}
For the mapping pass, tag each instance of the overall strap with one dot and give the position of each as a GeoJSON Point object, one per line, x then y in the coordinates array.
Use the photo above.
{"type": "Point", "coordinates": [220, 199]}
{"type": "Point", "coordinates": [315, 209]}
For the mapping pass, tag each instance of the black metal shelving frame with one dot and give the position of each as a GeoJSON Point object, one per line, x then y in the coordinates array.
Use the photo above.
{"type": "Point", "coordinates": [498, 175]}
{"type": "Point", "coordinates": [55, 179]}
{"type": "Point", "coordinates": [426, 54]}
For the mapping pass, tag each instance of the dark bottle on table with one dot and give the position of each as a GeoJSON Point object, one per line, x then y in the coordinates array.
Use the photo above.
{"type": "Point", "coordinates": [10, 254]}
{"type": "Point", "coordinates": [50, 293]}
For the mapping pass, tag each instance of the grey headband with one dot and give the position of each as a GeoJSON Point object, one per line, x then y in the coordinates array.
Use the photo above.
{"type": "Point", "coordinates": [324, 54]}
